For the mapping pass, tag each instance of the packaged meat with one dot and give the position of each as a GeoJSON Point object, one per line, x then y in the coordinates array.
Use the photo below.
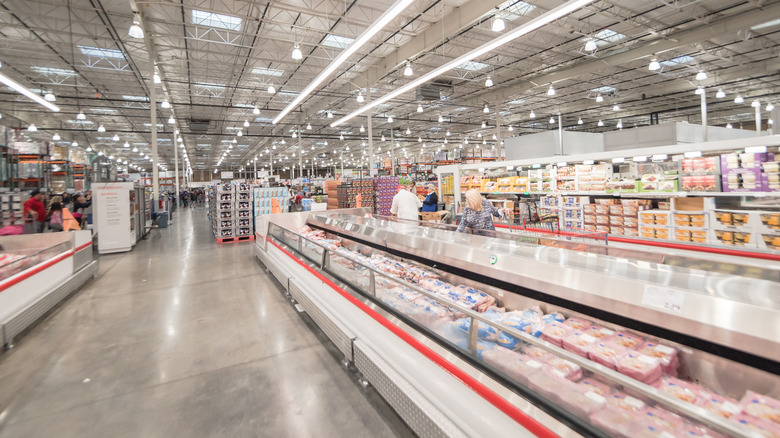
{"type": "Point", "coordinates": [638, 366]}
{"type": "Point", "coordinates": [627, 340]}
{"type": "Point", "coordinates": [760, 426]}
{"type": "Point", "coordinates": [517, 320]}
{"type": "Point", "coordinates": [484, 331]}
{"type": "Point", "coordinates": [517, 366]}
{"type": "Point", "coordinates": [564, 368]}
{"type": "Point", "coordinates": [694, 431]}
{"type": "Point", "coordinates": [579, 400]}
{"type": "Point", "coordinates": [592, 385]}
{"type": "Point", "coordinates": [661, 419]}
{"type": "Point", "coordinates": [761, 406]}
{"type": "Point", "coordinates": [537, 353]}
{"type": "Point", "coordinates": [598, 332]}
{"type": "Point", "coordinates": [576, 323]}
{"type": "Point", "coordinates": [724, 406]}
{"type": "Point", "coordinates": [578, 342]}
{"type": "Point", "coordinates": [623, 402]}
{"type": "Point", "coordinates": [683, 390]}
{"type": "Point", "coordinates": [617, 421]}
{"type": "Point", "coordinates": [667, 355]}
{"type": "Point", "coordinates": [606, 353]}
{"type": "Point", "coordinates": [555, 332]}
{"type": "Point", "coordinates": [553, 317]}
{"type": "Point", "coordinates": [547, 384]}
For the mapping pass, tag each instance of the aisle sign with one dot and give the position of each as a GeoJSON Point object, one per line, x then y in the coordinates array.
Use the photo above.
{"type": "Point", "coordinates": [663, 298]}
{"type": "Point", "coordinates": [226, 175]}
{"type": "Point", "coordinates": [112, 216]}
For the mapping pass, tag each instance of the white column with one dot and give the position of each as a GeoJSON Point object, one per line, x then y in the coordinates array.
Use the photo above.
{"type": "Point", "coordinates": [176, 169]}
{"type": "Point", "coordinates": [704, 114]}
{"type": "Point", "coordinates": [271, 163]}
{"type": "Point", "coordinates": [560, 133]}
{"type": "Point", "coordinates": [155, 173]}
{"type": "Point", "coordinates": [758, 120]}
{"type": "Point", "coordinates": [498, 130]}
{"type": "Point", "coordinates": [371, 169]}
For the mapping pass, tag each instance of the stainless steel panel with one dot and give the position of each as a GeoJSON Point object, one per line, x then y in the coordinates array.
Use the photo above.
{"type": "Point", "coordinates": [336, 332]}
{"type": "Point", "coordinates": [82, 258]}
{"type": "Point", "coordinates": [420, 414]}
{"type": "Point", "coordinates": [36, 310]}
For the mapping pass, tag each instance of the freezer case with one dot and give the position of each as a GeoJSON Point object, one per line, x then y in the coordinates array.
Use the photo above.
{"type": "Point", "coordinates": [607, 346]}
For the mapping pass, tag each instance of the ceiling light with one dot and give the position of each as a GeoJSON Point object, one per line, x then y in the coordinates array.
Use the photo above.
{"type": "Point", "coordinates": [101, 128]}
{"type": "Point", "coordinates": [486, 109]}
{"type": "Point", "coordinates": [489, 82]}
{"type": "Point", "coordinates": [599, 99]}
{"type": "Point", "coordinates": [654, 65]}
{"type": "Point", "coordinates": [498, 24]}
{"type": "Point", "coordinates": [296, 53]}
{"type": "Point", "coordinates": [532, 115]}
{"type": "Point", "coordinates": [484, 125]}
{"type": "Point", "coordinates": [75, 144]}
{"type": "Point", "coordinates": [294, 135]}
{"type": "Point", "coordinates": [525, 28]}
{"type": "Point", "coordinates": [25, 91]}
{"type": "Point", "coordinates": [552, 120]}
{"type": "Point", "coordinates": [409, 131]}
{"type": "Point", "coordinates": [600, 123]}
{"type": "Point", "coordinates": [590, 45]}
{"type": "Point", "coordinates": [156, 78]}
{"type": "Point", "coordinates": [408, 70]}
{"type": "Point", "coordinates": [171, 120]}
{"type": "Point", "coordinates": [619, 124]}
{"type": "Point", "coordinates": [720, 94]}
{"type": "Point", "coordinates": [738, 99]}
{"type": "Point", "coordinates": [383, 137]}
{"type": "Point", "coordinates": [246, 123]}
{"type": "Point", "coordinates": [699, 91]}
{"type": "Point", "coordinates": [447, 133]}
{"type": "Point", "coordinates": [56, 136]}
{"type": "Point", "coordinates": [579, 121]}
{"type": "Point", "coordinates": [510, 128]}
{"type": "Point", "coordinates": [389, 119]}
{"type": "Point", "coordinates": [32, 128]}
{"type": "Point", "coordinates": [165, 104]}
{"type": "Point", "coordinates": [239, 133]}
{"type": "Point", "coordinates": [255, 110]}
{"type": "Point", "coordinates": [329, 115]}
{"type": "Point", "coordinates": [701, 75]}
{"type": "Point", "coordinates": [466, 140]}
{"type": "Point", "coordinates": [136, 31]}
{"type": "Point", "coordinates": [419, 139]}
{"type": "Point", "coordinates": [341, 136]}
{"type": "Point", "coordinates": [179, 140]}
{"type": "Point", "coordinates": [362, 129]}
{"type": "Point", "coordinates": [616, 107]}
{"type": "Point", "coordinates": [551, 91]}
{"type": "Point", "coordinates": [484, 141]}
{"type": "Point", "coordinates": [770, 107]}
{"type": "Point", "coordinates": [419, 108]}
{"type": "Point", "coordinates": [115, 137]}
{"type": "Point", "coordinates": [127, 145]}
{"type": "Point", "coordinates": [308, 126]}
{"type": "Point", "coordinates": [755, 104]}
{"type": "Point", "coordinates": [479, 134]}
{"type": "Point", "coordinates": [441, 119]}
{"type": "Point", "coordinates": [49, 97]}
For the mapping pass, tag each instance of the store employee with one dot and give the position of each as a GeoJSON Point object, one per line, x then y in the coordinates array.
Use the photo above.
{"type": "Point", "coordinates": [431, 200]}
{"type": "Point", "coordinates": [405, 204]}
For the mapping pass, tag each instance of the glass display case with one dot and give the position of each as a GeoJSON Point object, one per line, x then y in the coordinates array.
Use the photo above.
{"type": "Point", "coordinates": [609, 346]}
{"type": "Point", "coordinates": [14, 261]}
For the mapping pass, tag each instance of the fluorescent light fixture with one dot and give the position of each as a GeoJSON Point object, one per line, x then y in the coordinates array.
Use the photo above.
{"type": "Point", "coordinates": [562, 164]}
{"type": "Point", "coordinates": [756, 150]}
{"type": "Point", "coordinates": [536, 166]}
{"type": "Point", "coordinates": [136, 98]}
{"type": "Point", "coordinates": [26, 92]}
{"type": "Point", "coordinates": [720, 94]}
{"type": "Point", "coordinates": [53, 71]}
{"type": "Point", "coordinates": [694, 154]}
{"type": "Point", "coordinates": [588, 162]}
{"type": "Point", "coordinates": [267, 72]}
{"type": "Point", "coordinates": [508, 168]}
{"type": "Point", "coordinates": [640, 158]}
{"type": "Point", "coordinates": [618, 160]}
{"type": "Point", "coordinates": [215, 20]}
{"type": "Point", "coordinates": [97, 52]}
{"type": "Point", "coordinates": [375, 27]}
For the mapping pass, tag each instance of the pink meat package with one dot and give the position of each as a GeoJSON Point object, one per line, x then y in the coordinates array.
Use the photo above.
{"type": "Point", "coordinates": [598, 332]}
{"type": "Point", "coordinates": [761, 406]}
{"type": "Point", "coordinates": [760, 426]}
{"type": "Point", "coordinates": [621, 415]}
{"type": "Point", "coordinates": [724, 406]}
{"type": "Point", "coordinates": [638, 366]}
{"type": "Point", "coordinates": [667, 355]}
{"type": "Point", "coordinates": [515, 365]}
{"type": "Point", "coordinates": [549, 385]}
{"type": "Point", "coordinates": [576, 323]}
{"type": "Point", "coordinates": [537, 353]}
{"type": "Point", "coordinates": [685, 391]}
{"type": "Point", "coordinates": [583, 399]}
{"type": "Point", "coordinates": [660, 419]}
{"type": "Point", "coordinates": [578, 342]}
{"type": "Point", "coordinates": [555, 332]}
{"type": "Point", "coordinates": [626, 340]}
{"type": "Point", "coordinates": [606, 353]}
{"type": "Point", "coordinates": [563, 368]}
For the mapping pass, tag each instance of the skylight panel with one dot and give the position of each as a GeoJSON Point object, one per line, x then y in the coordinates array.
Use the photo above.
{"type": "Point", "coordinates": [135, 98]}
{"type": "Point", "coordinates": [607, 36]}
{"type": "Point", "coordinates": [513, 9]}
{"type": "Point", "coordinates": [473, 66]}
{"type": "Point", "coordinates": [604, 90]}
{"type": "Point", "coordinates": [288, 93]}
{"type": "Point", "coordinates": [81, 122]}
{"type": "Point", "coordinates": [517, 102]}
{"type": "Point", "coordinates": [216, 20]}
{"type": "Point", "coordinates": [149, 125]}
{"type": "Point", "coordinates": [684, 59]}
{"type": "Point", "coordinates": [210, 85]}
{"type": "Point", "coordinates": [97, 52]}
{"type": "Point", "coordinates": [53, 71]}
{"type": "Point", "coordinates": [336, 41]}
{"type": "Point", "coordinates": [263, 120]}
{"type": "Point", "coordinates": [244, 105]}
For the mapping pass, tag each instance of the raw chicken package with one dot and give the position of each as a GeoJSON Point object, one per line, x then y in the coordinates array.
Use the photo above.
{"type": "Point", "coordinates": [620, 416]}
{"type": "Point", "coordinates": [638, 366]}
{"type": "Point", "coordinates": [593, 385]}
{"type": "Point", "coordinates": [761, 406]}
{"type": "Point", "coordinates": [547, 384]}
{"type": "Point", "coordinates": [681, 389]}
{"type": "Point", "coordinates": [760, 426]}
{"type": "Point", "coordinates": [598, 332]}
{"type": "Point", "coordinates": [537, 353]}
{"type": "Point", "coordinates": [515, 365]}
{"type": "Point", "coordinates": [553, 317]}
{"type": "Point", "coordinates": [626, 340]}
{"type": "Point", "coordinates": [663, 420]}
{"type": "Point", "coordinates": [484, 331]}
{"type": "Point", "coordinates": [724, 406]}
{"type": "Point", "coordinates": [578, 342]}
{"type": "Point", "coordinates": [563, 368]}
{"type": "Point", "coordinates": [694, 431]}
{"type": "Point", "coordinates": [606, 353]}
{"type": "Point", "coordinates": [576, 323]}
{"type": "Point", "coordinates": [555, 332]}
{"type": "Point", "coordinates": [667, 355]}
{"type": "Point", "coordinates": [579, 400]}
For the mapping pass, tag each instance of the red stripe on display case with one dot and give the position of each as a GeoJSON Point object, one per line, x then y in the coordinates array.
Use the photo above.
{"type": "Point", "coordinates": [25, 275]}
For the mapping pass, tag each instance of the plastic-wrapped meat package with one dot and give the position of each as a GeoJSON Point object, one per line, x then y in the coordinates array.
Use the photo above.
{"type": "Point", "coordinates": [621, 415]}
{"type": "Point", "coordinates": [484, 331]}
{"type": "Point", "coordinates": [418, 273]}
{"type": "Point", "coordinates": [694, 431]}
{"type": "Point", "coordinates": [580, 400]}
{"type": "Point", "coordinates": [598, 332]}
{"type": "Point", "coordinates": [578, 342]}
{"type": "Point", "coordinates": [576, 323]}
{"type": "Point", "coordinates": [533, 313]}
{"type": "Point", "coordinates": [760, 426]}
{"type": "Point", "coordinates": [553, 317]}
{"type": "Point", "coordinates": [638, 366]}
{"type": "Point", "coordinates": [303, 230]}
{"type": "Point", "coordinates": [537, 353]}
{"type": "Point", "coordinates": [549, 385]}
{"type": "Point", "coordinates": [564, 368]}
{"type": "Point", "coordinates": [627, 340]}
{"type": "Point", "coordinates": [438, 287]}
{"type": "Point", "coordinates": [517, 320]}
{"type": "Point", "coordinates": [683, 390]}
{"type": "Point", "coordinates": [663, 420]}
{"type": "Point", "coordinates": [429, 312]}
{"type": "Point", "coordinates": [471, 298]}
{"type": "Point", "coordinates": [555, 332]}
{"type": "Point", "coordinates": [606, 353]}
{"type": "Point", "coordinates": [517, 366]}
{"type": "Point", "coordinates": [724, 406]}
{"type": "Point", "coordinates": [667, 355]}
{"type": "Point", "coordinates": [593, 385]}
{"type": "Point", "coordinates": [761, 406]}
{"type": "Point", "coordinates": [404, 293]}
{"type": "Point", "coordinates": [452, 333]}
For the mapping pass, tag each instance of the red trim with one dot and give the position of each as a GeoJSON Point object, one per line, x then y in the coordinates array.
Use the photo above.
{"type": "Point", "coordinates": [662, 244]}
{"type": "Point", "coordinates": [496, 400]}
{"type": "Point", "coordinates": [32, 271]}
{"type": "Point", "coordinates": [79, 248]}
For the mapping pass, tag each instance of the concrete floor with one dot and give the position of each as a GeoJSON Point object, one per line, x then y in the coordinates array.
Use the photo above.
{"type": "Point", "coordinates": [182, 337]}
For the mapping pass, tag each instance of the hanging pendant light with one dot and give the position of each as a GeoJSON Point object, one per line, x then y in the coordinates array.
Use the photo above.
{"type": "Point", "coordinates": [489, 82]}
{"type": "Point", "coordinates": [654, 65]}
{"type": "Point", "coordinates": [590, 45]}
{"type": "Point", "coordinates": [115, 137]}
{"type": "Point", "coordinates": [419, 108]}
{"type": "Point", "coordinates": [156, 78]}
{"type": "Point", "coordinates": [296, 53]}
{"type": "Point", "coordinates": [360, 98]}
{"type": "Point", "coordinates": [171, 120]}
{"type": "Point", "coordinates": [101, 128]}
{"type": "Point", "coordinates": [408, 70]}
{"type": "Point", "coordinates": [770, 107]}
{"type": "Point", "coordinates": [498, 24]}
{"type": "Point", "coordinates": [599, 99]}
{"type": "Point", "coordinates": [383, 137]}
{"type": "Point", "coordinates": [271, 89]}
{"type": "Point", "coordinates": [616, 107]}
{"type": "Point", "coordinates": [126, 145]}
{"type": "Point", "coordinates": [75, 144]}
{"type": "Point", "coordinates": [551, 91]}
{"type": "Point", "coordinates": [409, 131]}
{"type": "Point", "coordinates": [239, 133]}
{"type": "Point", "coordinates": [510, 128]}
{"type": "Point", "coordinates": [389, 119]}
{"type": "Point", "coordinates": [49, 97]}
{"type": "Point", "coordinates": [56, 137]}
{"type": "Point", "coordinates": [136, 31]}
{"type": "Point", "coordinates": [729, 126]}
{"type": "Point", "coordinates": [329, 115]}
{"type": "Point", "coordinates": [701, 75]}
{"type": "Point", "coordinates": [255, 110]}
{"type": "Point", "coordinates": [362, 129]}
{"type": "Point", "coordinates": [532, 115]}
{"type": "Point", "coordinates": [699, 91]}
{"type": "Point", "coordinates": [486, 109]}
{"type": "Point", "coordinates": [165, 104]}
{"type": "Point", "coordinates": [739, 99]}
{"type": "Point", "coordinates": [419, 139]}
{"type": "Point", "coordinates": [308, 126]}
{"type": "Point", "coordinates": [246, 123]}
{"type": "Point", "coordinates": [601, 123]}
{"type": "Point", "coordinates": [341, 137]}
{"type": "Point", "coordinates": [552, 120]}
{"type": "Point", "coordinates": [441, 119]}
{"type": "Point", "coordinates": [579, 121]}
{"type": "Point", "coordinates": [720, 94]}
{"type": "Point", "coordinates": [81, 116]}
{"type": "Point", "coordinates": [619, 124]}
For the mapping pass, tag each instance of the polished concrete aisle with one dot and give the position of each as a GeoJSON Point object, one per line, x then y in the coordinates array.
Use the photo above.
{"type": "Point", "coordinates": [183, 338]}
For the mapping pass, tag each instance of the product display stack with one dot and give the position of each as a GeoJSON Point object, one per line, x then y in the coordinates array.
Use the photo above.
{"type": "Point", "coordinates": [243, 211]}
{"type": "Point", "coordinates": [385, 187]}
{"type": "Point", "coordinates": [263, 202]}
{"type": "Point", "coordinates": [223, 219]}
{"type": "Point", "coordinates": [572, 215]}
{"type": "Point", "coordinates": [349, 190]}
{"type": "Point", "coordinates": [331, 189]}
{"type": "Point", "coordinates": [11, 208]}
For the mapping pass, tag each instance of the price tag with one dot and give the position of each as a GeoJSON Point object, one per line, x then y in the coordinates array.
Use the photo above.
{"type": "Point", "coordinates": [663, 298]}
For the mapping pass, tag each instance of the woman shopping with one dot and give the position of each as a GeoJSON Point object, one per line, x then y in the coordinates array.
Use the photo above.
{"type": "Point", "coordinates": [431, 202]}
{"type": "Point", "coordinates": [478, 214]}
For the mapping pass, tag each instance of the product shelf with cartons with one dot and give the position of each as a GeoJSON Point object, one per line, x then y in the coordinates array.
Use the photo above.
{"type": "Point", "coordinates": [222, 211]}
{"type": "Point", "coordinates": [11, 208]}
{"type": "Point", "coordinates": [245, 229]}
{"type": "Point", "coordinates": [662, 350]}
{"type": "Point", "coordinates": [385, 188]}
{"type": "Point", "coordinates": [263, 201]}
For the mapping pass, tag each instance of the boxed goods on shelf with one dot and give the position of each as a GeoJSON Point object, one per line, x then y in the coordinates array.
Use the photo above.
{"type": "Point", "coordinates": [700, 183]}
{"type": "Point", "coordinates": [593, 177]}
{"type": "Point", "coordinates": [700, 166]}
{"type": "Point", "coordinates": [656, 182]}
{"type": "Point", "coordinates": [520, 184]}
{"type": "Point", "coordinates": [385, 187]}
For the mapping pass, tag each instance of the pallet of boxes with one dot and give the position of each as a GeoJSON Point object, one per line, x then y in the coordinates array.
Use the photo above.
{"type": "Point", "coordinates": [615, 216]}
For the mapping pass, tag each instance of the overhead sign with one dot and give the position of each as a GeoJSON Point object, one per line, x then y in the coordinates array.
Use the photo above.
{"type": "Point", "coordinates": [226, 175]}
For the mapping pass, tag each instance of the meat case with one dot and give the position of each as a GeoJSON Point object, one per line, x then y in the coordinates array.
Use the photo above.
{"type": "Point", "coordinates": [585, 341]}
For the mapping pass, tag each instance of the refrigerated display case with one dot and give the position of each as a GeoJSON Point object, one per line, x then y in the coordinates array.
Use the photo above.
{"type": "Point", "coordinates": [37, 271]}
{"type": "Point", "coordinates": [557, 338]}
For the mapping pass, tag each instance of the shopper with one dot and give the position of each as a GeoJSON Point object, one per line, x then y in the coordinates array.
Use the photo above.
{"type": "Point", "coordinates": [79, 208]}
{"type": "Point", "coordinates": [405, 205]}
{"type": "Point", "coordinates": [431, 202]}
{"type": "Point", "coordinates": [34, 213]}
{"type": "Point", "coordinates": [55, 216]}
{"type": "Point", "coordinates": [478, 215]}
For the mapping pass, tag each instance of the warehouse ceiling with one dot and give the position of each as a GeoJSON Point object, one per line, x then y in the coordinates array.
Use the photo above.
{"type": "Point", "coordinates": [217, 59]}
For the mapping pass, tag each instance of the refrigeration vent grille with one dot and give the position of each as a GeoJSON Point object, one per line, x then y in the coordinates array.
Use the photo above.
{"type": "Point", "coordinates": [339, 335]}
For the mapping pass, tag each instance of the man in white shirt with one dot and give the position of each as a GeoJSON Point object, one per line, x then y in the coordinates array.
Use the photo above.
{"type": "Point", "coordinates": [405, 204]}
